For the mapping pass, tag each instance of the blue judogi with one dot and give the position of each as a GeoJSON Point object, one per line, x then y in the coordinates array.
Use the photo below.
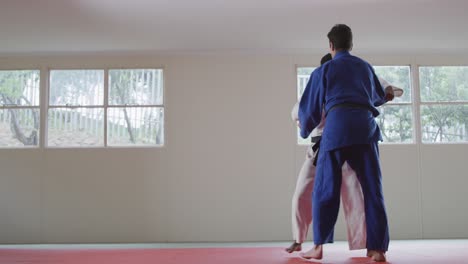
{"type": "Point", "coordinates": [348, 90]}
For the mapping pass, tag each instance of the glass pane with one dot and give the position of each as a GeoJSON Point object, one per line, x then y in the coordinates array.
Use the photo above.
{"type": "Point", "coordinates": [443, 83]}
{"type": "Point", "coordinates": [302, 141]}
{"type": "Point", "coordinates": [303, 74]}
{"type": "Point", "coordinates": [398, 76]}
{"type": "Point", "coordinates": [130, 126]}
{"type": "Point", "coordinates": [76, 87]}
{"type": "Point", "coordinates": [77, 127]}
{"type": "Point", "coordinates": [396, 123]}
{"type": "Point", "coordinates": [19, 88]}
{"type": "Point", "coordinates": [19, 127]}
{"type": "Point", "coordinates": [136, 87]}
{"type": "Point", "coordinates": [444, 123]}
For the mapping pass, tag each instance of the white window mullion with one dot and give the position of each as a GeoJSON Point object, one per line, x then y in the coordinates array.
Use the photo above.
{"type": "Point", "coordinates": [134, 106]}
{"type": "Point", "coordinates": [417, 132]}
{"type": "Point", "coordinates": [44, 105]}
{"type": "Point", "coordinates": [416, 103]}
{"type": "Point", "coordinates": [445, 103]}
{"type": "Point", "coordinates": [392, 104]}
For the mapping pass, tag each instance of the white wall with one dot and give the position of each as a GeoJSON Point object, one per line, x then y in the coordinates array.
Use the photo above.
{"type": "Point", "coordinates": [228, 168]}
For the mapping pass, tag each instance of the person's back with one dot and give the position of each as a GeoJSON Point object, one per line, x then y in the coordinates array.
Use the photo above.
{"type": "Point", "coordinates": [355, 85]}
{"type": "Point", "coordinates": [350, 102]}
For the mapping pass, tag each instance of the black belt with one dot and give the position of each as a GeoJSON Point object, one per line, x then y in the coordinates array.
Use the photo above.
{"type": "Point", "coordinates": [348, 105]}
{"type": "Point", "coordinates": [316, 149]}
{"type": "Point", "coordinates": [315, 139]}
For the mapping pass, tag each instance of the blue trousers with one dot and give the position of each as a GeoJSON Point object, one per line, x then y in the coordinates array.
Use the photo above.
{"type": "Point", "coordinates": [364, 160]}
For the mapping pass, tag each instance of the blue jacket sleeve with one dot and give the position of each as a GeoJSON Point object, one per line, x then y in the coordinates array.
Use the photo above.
{"type": "Point", "coordinates": [378, 95]}
{"type": "Point", "coordinates": [311, 104]}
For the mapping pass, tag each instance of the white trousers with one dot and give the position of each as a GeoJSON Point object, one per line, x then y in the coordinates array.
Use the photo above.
{"type": "Point", "coordinates": [351, 196]}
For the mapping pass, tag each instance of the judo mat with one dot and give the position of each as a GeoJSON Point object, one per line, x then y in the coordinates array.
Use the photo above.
{"type": "Point", "coordinates": [414, 252]}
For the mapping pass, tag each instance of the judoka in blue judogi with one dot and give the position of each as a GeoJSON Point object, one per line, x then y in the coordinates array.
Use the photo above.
{"type": "Point", "coordinates": [348, 91]}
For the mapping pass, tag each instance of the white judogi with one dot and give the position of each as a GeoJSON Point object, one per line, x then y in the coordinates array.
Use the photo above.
{"type": "Point", "coordinates": [351, 193]}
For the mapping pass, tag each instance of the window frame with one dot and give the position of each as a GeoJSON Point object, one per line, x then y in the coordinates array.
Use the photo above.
{"type": "Point", "coordinates": [105, 106]}
{"type": "Point", "coordinates": [422, 103]}
{"type": "Point", "coordinates": [19, 107]}
{"type": "Point", "coordinates": [413, 86]}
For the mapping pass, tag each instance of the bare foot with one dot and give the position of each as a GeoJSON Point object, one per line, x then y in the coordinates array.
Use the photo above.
{"type": "Point", "coordinates": [377, 256]}
{"type": "Point", "coordinates": [315, 253]}
{"type": "Point", "coordinates": [294, 247]}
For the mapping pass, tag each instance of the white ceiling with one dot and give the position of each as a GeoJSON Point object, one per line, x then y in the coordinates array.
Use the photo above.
{"type": "Point", "coordinates": [389, 26]}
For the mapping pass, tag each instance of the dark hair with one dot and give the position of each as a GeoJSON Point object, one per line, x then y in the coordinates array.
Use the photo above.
{"type": "Point", "coordinates": [327, 57]}
{"type": "Point", "coordinates": [341, 37]}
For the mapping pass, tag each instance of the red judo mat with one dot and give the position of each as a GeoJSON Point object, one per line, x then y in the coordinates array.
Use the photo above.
{"type": "Point", "coordinates": [414, 253]}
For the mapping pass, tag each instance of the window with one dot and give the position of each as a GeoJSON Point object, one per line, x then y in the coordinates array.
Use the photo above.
{"type": "Point", "coordinates": [86, 111]}
{"type": "Point", "coordinates": [444, 104]}
{"type": "Point", "coordinates": [136, 112]}
{"type": "Point", "coordinates": [396, 117]}
{"type": "Point", "coordinates": [19, 108]}
{"type": "Point", "coordinates": [76, 108]}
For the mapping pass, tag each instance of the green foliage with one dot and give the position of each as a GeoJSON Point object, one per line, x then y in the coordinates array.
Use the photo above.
{"type": "Point", "coordinates": [443, 84]}
{"type": "Point", "coordinates": [444, 123]}
{"type": "Point", "coordinates": [13, 85]}
{"type": "Point", "coordinates": [135, 87]}
{"type": "Point", "coordinates": [120, 86]}
{"type": "Point", "coordinates": [75, 87]}
{"type": "Point", "coordinates": [398, 76]}
{"type": "Point", "coordinates": [20, 88]}
{"type": "Point", "coordinates": [395, 122]}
